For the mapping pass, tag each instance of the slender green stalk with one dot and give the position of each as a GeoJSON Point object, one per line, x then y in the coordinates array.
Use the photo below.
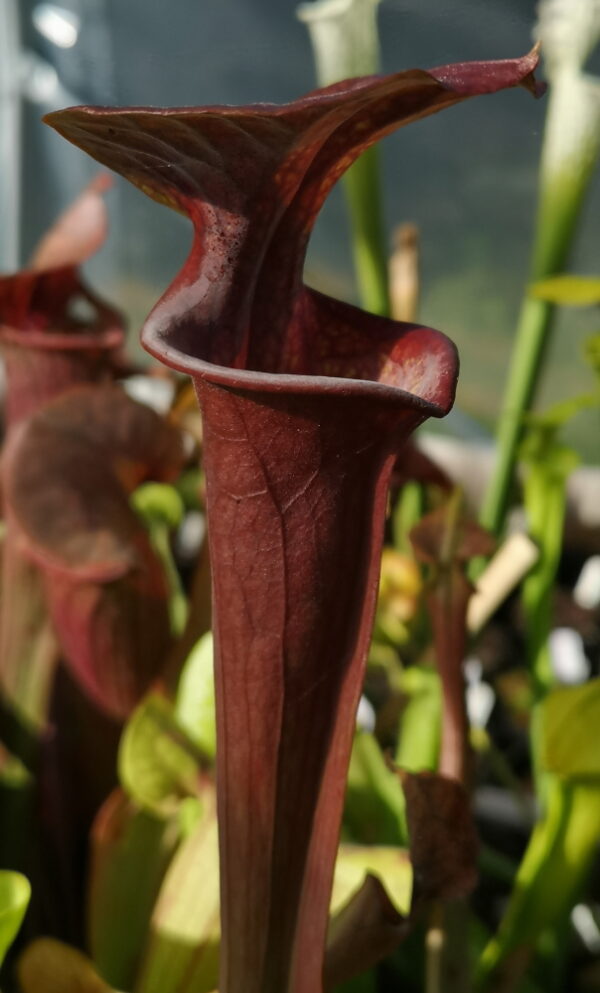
{"type": "Point", "coordinates": [408, 511]}
{"type": "Point", "coordinates": [363, 194]}
{"type": "Point", "coordinates": [345, 44]}
{"type": "Point", "coordinates": [531, 338]}
{"type": "Point", "coordinates": [564, 842]}
{"type": "Point", "coordinates": [434, 950]}
{"type": "Point", "coordinates": [545, 504]}
{"type": "Point", "coordinates": [178, 605]}
{"type": "Point", "coordinates": [571, 146]}
{"type": "Point", "coordinates": [374, 810]}
{"type": "Point", "coordinates": [161, 508]}
{"type": "Point", "coordinates": [548, 882]}
{"type": "Point", "coordinates": [447, 949]}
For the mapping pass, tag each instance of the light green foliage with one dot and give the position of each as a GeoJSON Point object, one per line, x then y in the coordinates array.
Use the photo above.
{"type": "Point", "coordinates": [592, 353]}
{"type": "Point", "coordinates": [158, 764]}
{"type": "Point", "coordinates": [569, 30]}
{"type": "Point", "coordinates": [162, 772]}
{"type": "Point", "coordinates": [158, 503]}
{"type": "Point", "coordinates": [391, 865]}
{"type": "Point", "coordinates": [15, 893]}
{"type": "Point", "coordinates": [568, 291]}
{"type": "Point", "coordinates": [564, 842]}
{"type": "Point", "coordinates": [195, 702]}
{"type": "Point", "coordinates": [13, 773]}
{"type": "Point", "coordinates": [374, 807]}
{"type": "Point", "coordinates": [49, 966]}
{"type": "Point", "coordinates": [570, 722]}
{"type": "Point", "coordinates": [182, 952]}
{"type": "Point", "coordinates": [409, 509]}
{"type": "Point", "coordinates": [419, 735]}
{"type": "Point", "coordinates": [131, 850]}
{"type": "Point", "coordinates": [548, 465]}
{"type": "Point", "coordinates": [162, 508]}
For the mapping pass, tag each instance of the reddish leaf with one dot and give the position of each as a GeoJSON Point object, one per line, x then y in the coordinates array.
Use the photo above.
{"type": "Point", "coordinates": [67, 473]}
{"type": "Point", "coordinates": [367, 929]}
{"type": "Point", "coordinates": [414, 464]}
{"type": "Point", "coordinates": [446, 540]}
{"type": "Point", "coordinates": [54, 331]}
{"type": "Point", "coordinates": [443, 840]}
{"type": "Point", "coordinates": [306, 402]}
{"type": "Point", "coordinates": [78, 233]}
{"type": "Point", "coordinates": [443, 854]}
{"type": "Point", "coordinates": [297, 488]}
{"type": "Point", "coordinates": [441, 542]}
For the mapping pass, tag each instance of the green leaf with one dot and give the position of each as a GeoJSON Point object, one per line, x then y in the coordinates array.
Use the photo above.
{"type": "Point", "coordinates": [158, 764]}
{"type": "Point", "coordinates": [374, 807]}
{"type": "Point", "coordinates": [158, 503]}
{"type": "Point", "coordinates": [183, 949]}
{"type": "Point", "coordinates": [419, 734]}
{"type": "Point", "coordinates": [569, 735]}
{"type": "Point", "coordinates": [545, 494]}
{"type": "Point", "coordinates": [28, 646]}
{"type": "Point", "coordinates": [15, 893]}
{"type": "Point", "coordinates": [130, 852]}
{"type": "Point", "coordinates": [49, 966]}
{"type": "Point", "coordinates": [162, 509]}
{"type": "Point", "coordinates": [570, 150]}
{"type": "Point", "coordinates": [182, 952]}
{"type": "Point", "coordinates": [13, 772]}
{"type": "Point", "coordinates": [591, 352]}
{"type": "Point", "coordinates": [570, 291]}
{"type": "Point", "coordinates": [558, 415]}
{"type": "Point", "coordinates": [551, 879]}
{"type": "Point", "coordinates": [195, 702]}
{"type": "Point", "coordinates": [389, 864]}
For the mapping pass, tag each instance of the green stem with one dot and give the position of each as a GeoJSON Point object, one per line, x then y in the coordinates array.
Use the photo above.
{"type": "Point", "coordinates": [363, 194]}
{"type": "Point", "coordinates": [545, 502]}
{"type": "Point", "coordinates": [178, 606]}
{"type": "Point", "coordinates": [434, 950]}
{"type": "Point", "coordinates": [563, 185]}
{"type": "Point", "coordinates": [530, 344]}
{"type": "Point", "coordinates": [408, 511]}
{"type": "Point", "coordinates": [548, 882]}
{"type": "Point", "coordinates": [161, 509]}
{"type": "Point", "coordinates": [447, 949]}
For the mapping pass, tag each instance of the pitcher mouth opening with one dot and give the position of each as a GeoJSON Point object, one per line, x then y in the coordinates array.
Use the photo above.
{"type": "Point", "coordinates": [169, 338]}
{"type": "Point", "coordinates": [272, 382]}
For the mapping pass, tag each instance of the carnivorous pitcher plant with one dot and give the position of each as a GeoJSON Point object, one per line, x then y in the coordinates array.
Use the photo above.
{"type": "Point", "coordinates": [306, 403]}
